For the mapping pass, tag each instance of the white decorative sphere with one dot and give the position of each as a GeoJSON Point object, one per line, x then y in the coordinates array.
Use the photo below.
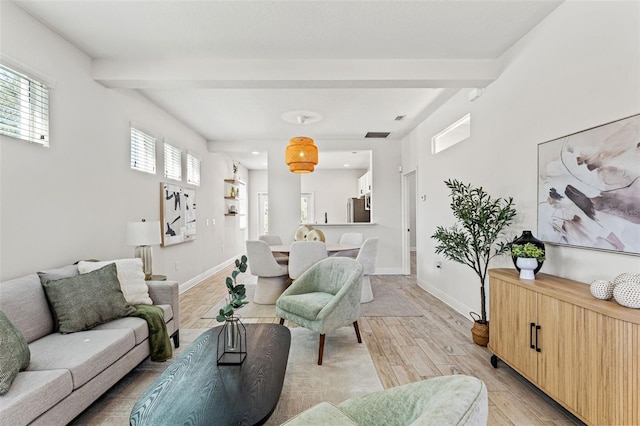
{"type": "Point", "coordinates": [602, 289]}
{"type": "Point", "coordinates": [627, 277]}
{"type": "Point", "coordinates": [627, 293]}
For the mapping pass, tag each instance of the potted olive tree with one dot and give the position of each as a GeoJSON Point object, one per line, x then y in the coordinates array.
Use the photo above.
{"type": "Point", "coordinates": [475, 239]}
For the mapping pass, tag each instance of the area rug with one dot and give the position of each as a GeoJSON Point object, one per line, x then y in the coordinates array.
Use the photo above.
{"type": "Point", "coordinates": [347, 371]}
{"type": "Point", "coordinates": [388, 301]}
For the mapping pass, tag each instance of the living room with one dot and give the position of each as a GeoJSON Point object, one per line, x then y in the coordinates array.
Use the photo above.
{"type": "Point", "coordinates": [577, 69]}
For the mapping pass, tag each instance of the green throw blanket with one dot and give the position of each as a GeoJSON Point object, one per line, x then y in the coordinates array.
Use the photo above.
{"type": "Point", "coordinates": [158, 337]}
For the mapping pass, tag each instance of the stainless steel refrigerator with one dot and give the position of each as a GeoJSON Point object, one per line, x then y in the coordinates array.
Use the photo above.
{"type": "Point", "coordinates": [356, 211]}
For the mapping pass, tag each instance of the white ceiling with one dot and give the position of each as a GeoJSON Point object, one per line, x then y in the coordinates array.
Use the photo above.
{"type": "Point", "coordinates": [230, 69]}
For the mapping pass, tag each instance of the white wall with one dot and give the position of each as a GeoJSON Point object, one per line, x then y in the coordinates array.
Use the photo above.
{"type": "Point", "coordinates": [386, 197]}
{"type": "Point", "coordinates": [72, 201]}
{"type": "Point", "coordinates": [386, 200]}
{"type": "Point", "coordinates": [578, 69]}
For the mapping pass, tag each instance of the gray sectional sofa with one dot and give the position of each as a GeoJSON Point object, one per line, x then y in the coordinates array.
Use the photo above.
{"type": "Point", "coordinates": [68, 372]}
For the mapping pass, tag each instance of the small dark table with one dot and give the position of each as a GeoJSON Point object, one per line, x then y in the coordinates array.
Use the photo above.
{"type": "Point", "coordinates": [195, 390]}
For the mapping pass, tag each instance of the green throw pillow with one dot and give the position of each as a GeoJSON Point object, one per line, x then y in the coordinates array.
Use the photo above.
{"type": "Point", "coordinates": [14, 356]}
{"type": "Point", "coordinates": [84, 301]}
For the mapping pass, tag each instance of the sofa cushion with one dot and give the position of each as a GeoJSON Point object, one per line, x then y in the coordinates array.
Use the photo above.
{"type": "Point", "coordinates": [130, 276]}
{"type": "Point", "coordinates": [85, 354]}
{"type": "Point", "coordinates": [84, 301]}
{"type": "Point", "coordinates": [67, 271]}
{"type": "Point", "coordinates": [32, 394]}
{"type": "Point", "coordinates": [14, 356]}
{"type": "Point", "coordinates": [23, 301]}
{"type": "Point", "coordinates": [137, 325]}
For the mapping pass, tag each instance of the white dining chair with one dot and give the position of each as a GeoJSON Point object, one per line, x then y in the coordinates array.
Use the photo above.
{"type": "Point", "coordinates": [350, 238]}
{"type": "Point", "coordinates": [272, 240]}
{"type": "Point", "coordinates": [304, 254]}
{"type": "Point", "coordinates": [275, 240]}
{"type": "Point", "coordinates": [367, 258]}
{"type": "Point", "coordinates": [273, 278]}
{"type": "Point", "coordinates": [356, 238]}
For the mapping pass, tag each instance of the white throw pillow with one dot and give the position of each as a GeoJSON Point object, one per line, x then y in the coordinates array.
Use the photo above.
{"type": "Point", "coordinates": [130, 275]}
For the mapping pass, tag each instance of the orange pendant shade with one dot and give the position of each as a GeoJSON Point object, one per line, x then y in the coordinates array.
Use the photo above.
{"type": "Point", "coordinates": [301, 155]}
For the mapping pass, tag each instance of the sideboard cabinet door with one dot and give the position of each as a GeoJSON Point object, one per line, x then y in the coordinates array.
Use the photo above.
{"type": "Point", "coordinates": [513, 310]}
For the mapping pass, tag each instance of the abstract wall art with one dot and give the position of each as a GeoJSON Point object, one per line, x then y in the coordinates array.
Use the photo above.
{"type": "Point", "coordinates": [589, 188]}
{"type": "Point", "coordinates": [177, 213]}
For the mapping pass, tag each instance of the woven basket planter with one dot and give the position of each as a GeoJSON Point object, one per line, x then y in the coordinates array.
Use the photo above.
{"type": "Point", "coordinates": [479, 331]}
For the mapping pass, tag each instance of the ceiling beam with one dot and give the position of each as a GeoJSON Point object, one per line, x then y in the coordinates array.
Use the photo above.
{"type": "Point", "coordinates": [295, 74]}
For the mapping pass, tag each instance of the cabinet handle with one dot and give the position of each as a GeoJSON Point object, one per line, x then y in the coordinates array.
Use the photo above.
{"type": "Point", "coordinates": [537, 335]}
{"type": "Point", "coordinates": [531, 327]}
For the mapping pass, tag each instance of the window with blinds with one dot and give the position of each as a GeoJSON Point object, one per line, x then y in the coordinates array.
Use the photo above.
{"type": "Point", "coordinates": [193, 169]}
{"type": "Point", "coordinates": [143, 151]}
{"type": "Point", "coordinates": [172, 162]}
{"type": "Point", "coordinates": [24, 107]}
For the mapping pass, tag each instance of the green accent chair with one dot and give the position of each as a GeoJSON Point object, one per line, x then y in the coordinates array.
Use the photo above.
{"type": "Point", "coordinates": [325, 297]}
{"type": "Point", "coordinates": [440, 401]}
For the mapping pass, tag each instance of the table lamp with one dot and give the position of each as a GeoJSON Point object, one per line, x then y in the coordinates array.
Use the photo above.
{"type": "Point", "coordinates": [143, 235]}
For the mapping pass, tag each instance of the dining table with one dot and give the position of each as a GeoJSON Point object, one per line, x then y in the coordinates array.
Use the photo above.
{"type": "Point", "coordinates": [331, 248]}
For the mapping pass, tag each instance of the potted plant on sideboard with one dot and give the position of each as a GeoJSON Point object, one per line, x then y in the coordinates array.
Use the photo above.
{"type": "Point", "coordinates": [527, 258]}
{"type": "Point", "coordinates": [475, 239]}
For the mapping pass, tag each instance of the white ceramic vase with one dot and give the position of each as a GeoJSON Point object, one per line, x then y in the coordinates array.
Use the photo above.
{"type": "Point", "coordinates": [527, 265]}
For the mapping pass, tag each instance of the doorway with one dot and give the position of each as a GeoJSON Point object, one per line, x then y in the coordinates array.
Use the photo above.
{"type": "Point", "coordinates": [409, 209]}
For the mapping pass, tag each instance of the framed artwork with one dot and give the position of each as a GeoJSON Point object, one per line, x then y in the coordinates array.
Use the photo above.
{"type": "Point", "coordinates": [177, 214]}
{"type": "Point", "coordinates": [589, 188]}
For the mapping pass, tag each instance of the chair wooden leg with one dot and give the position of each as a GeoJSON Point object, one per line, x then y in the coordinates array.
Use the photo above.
{"type": "Point", "coordinates": [281, 321]}
{"type": "Point", "coordinates": [355, 326]}
{"type": "Point", "coordinates": [320, 349]}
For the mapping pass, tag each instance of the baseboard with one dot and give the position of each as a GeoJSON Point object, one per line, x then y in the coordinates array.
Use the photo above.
{"type": "Point", "coordinates": [206, 274]}
{"type": "Point", "coordinates": [388, 271]}
{"type": "Point", "coordinates": [448, 300]}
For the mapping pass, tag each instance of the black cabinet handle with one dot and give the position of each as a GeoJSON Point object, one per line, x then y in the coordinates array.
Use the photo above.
{"type": "Point", "coordinates": [537, 336]}
{"type": "Point", "coordinates": [531, 327]}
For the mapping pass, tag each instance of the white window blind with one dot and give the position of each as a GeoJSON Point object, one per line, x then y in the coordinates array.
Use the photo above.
{"type": "Point", "coordinates": [172, 162]}
{"type": "Point", "coordinates": [193, 169]}
{"type": "Point", "coordinates": [24, 107]}
{"type": "Point", "coordinates": [143, 151]}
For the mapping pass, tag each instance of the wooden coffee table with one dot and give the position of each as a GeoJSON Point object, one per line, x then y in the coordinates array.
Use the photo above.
{"type": "Point", "coordinates": [195, 390]}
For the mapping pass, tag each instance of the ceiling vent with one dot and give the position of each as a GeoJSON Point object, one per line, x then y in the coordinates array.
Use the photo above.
{"type": "Point", "coordinates": [399, 117]}
{"type": "Point", "coordinates": [377, 135]}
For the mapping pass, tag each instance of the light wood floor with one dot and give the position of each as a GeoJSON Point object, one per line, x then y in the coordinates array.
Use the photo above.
{"type": "Point", "coordinates": [408, 349]}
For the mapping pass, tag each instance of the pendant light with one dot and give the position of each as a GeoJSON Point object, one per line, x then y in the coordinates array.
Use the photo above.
{"type": "Point", "coordinates": [301, 155]}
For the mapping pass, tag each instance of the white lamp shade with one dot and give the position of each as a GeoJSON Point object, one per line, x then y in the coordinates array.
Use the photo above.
{"type": "Point", "coordinates": [143, 233]}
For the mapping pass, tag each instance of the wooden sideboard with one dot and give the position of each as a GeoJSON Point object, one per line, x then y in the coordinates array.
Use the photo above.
{"type": "Point", "coordinates": [579, 350]}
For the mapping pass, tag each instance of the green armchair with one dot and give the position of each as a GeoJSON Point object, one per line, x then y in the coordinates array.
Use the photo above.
{"type": "Point", "coordinates": [440, 401]}
{"type": "Point", "coordinates": [325, 297]}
